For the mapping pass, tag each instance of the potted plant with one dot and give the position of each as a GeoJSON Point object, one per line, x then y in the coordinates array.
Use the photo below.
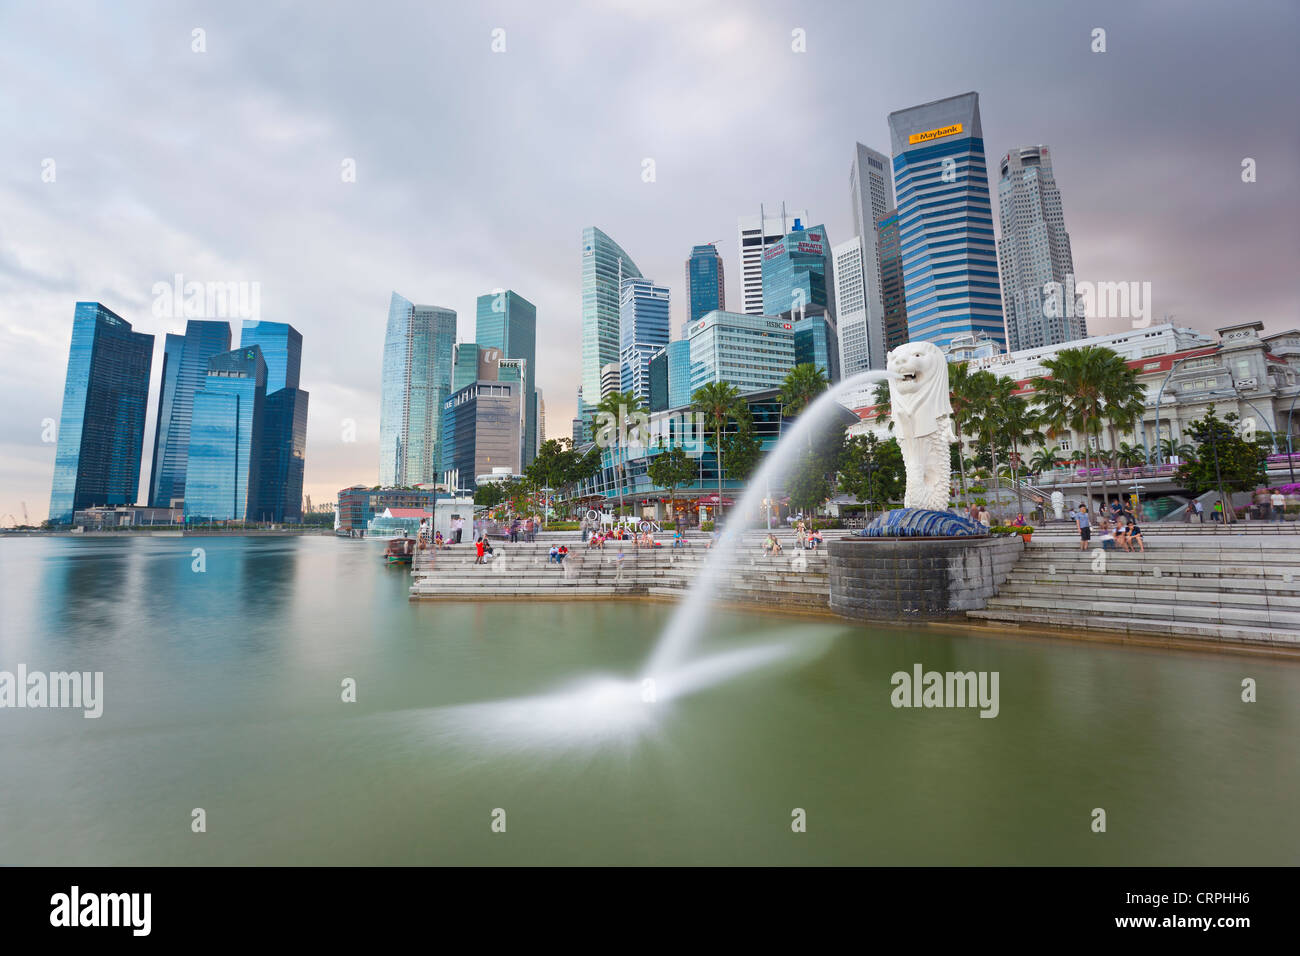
{"type": "Point", "coordinates": [1024, 530]}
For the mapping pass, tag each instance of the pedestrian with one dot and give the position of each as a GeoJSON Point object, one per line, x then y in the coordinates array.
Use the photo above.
{"type": "Point", "coordinates": [984, 518]}
{"type": "Point", "coordinates": [1277, 505]}
{"type": "Point", "coordinates": [1218, 512]}
{"type": "Point", "coordinates": [1082, 521]}
{"type": "Point", "coordinates": [478, 551]}
{"type": "Point", "coordinates": [1200, 510]}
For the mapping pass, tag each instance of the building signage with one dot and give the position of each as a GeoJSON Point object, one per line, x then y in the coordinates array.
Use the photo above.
{"type": "Point", "coordinates": [812, 248]}
{"type": "Point", "coordinates": [932, 134]}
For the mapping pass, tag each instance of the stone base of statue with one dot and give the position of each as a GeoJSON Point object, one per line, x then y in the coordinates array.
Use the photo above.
{"type": "Point", "coordinates": [922, 523]}
{"type": "Point", "coordinates": [918, 564]}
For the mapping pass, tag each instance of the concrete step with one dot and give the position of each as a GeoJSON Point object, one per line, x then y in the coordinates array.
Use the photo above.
{"type": "Point", "coordinates": [1169, 612]}
{"type": "Point", "coordinates": [1071, 621]}
{"type": "Point", "coordinates": [1172, 592]}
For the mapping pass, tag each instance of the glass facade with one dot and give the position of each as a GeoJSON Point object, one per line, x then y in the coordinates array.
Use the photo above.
{"type": "Point", "coordinates": [705, 286]}
{"type": "Point", "coordinates": [284, 426]}
{"type": "Point", "coordinates": [797, 272]}
{"type": "Point", "coordinates": [604, 266]}
{"type": "Point", "coordinates": [950, 266]}
{"type": "Point", "coordinates": [416, 381]}
{"type": "Point", "coordinates": [223, 474]}
{"type": "Point", "coordinates": [658, 373]}
{"type": "Point", "coordinates": [281, 346]}
{"type": "Point", "coordinates": [891, 281]}
{"type": "Point", "coordinates": [752, 352]}
{"type": "Point", "coordinates": [185, 364]}
{"type": "Point", "coordinates": [464, 365]}
{"type": "Point", "coordinates": [679, 373]}
{"type": "Point", "coordinates": [482, 424]}
{"type": "Point", "coordinates": [507, 321]}
{"type": "Point", "coordinates": [815, 344]}
{"type": "Point", "coordinates": [101, 427]}
{"type": "Point", "coordinates": [643, 331]}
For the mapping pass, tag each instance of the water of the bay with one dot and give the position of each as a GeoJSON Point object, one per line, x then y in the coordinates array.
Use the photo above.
{"type": "Point", "coordinates": [223, 687]}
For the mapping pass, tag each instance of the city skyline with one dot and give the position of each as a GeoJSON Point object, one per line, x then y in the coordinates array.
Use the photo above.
{"type": "Point", "coordinates": [109, 227]}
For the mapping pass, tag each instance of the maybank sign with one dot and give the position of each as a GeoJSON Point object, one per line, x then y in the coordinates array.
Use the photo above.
{"type": "Point", "coordinates": [930, 134]}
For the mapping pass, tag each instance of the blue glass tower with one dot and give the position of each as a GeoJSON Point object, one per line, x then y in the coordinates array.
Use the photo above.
{"type": "Point", "coordinates": [416, 381]}
{"type": "Point", "coordinates": [101, 427]}
{"type": "Point", "coordinates": [185, 364]}
{"type": "Point", "coordinates": [283, 446]}
{"type": "Point", "coordinates": [223, 473]}
{"type": "Point", "coordinates": [507, 321]}
{"type": "Point", "coordinates": [815, 343]}
{"type": "Point", "coordinates": [604, 266]}
{"type": "Point", "coordinates": [643, 331]}
{"type": "Point", "coordinates": [797, 272]}
{"type": "Point", "coordinates": [945, 222]}
{"type": "Point", "coordinates": [705, 288]}
{"type": "Point", "coordinates": [679, 373]}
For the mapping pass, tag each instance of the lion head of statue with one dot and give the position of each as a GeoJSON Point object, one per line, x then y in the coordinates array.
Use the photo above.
{"type": "Point", "coordinates": [918, 388]}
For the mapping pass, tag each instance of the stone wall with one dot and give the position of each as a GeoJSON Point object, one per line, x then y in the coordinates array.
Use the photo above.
{"type": "Point", "coordinates": [883, 579]}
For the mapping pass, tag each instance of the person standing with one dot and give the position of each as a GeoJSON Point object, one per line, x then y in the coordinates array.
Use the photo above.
{"type": "Point", "coordinates": [1277, 505]}
{"type": "Point", "coordinates": [1082, 521]}
{"type": "Point", "coordinates": [1200, 510]}
{"type": "Point", "coordinates": [478, 551]}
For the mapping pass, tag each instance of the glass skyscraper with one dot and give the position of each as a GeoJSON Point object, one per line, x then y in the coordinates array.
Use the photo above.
{"type": "Point", "coordinates": [705, 286]}
{"type": "Point", "coordinates": [507, 321]}
{"type": "Point", "coordinates": [185, 365]}
{"type": "Point", "coordinates": [604, 266]}
{"type": "Point", "coordinates": [891, 281]}
{"type": "Point", "coordinates": [950, 264]}
{"type": "Point", "coordinates": [101, 427]}
{"type": "Point", "coordinates": [679, 373]}
{"type": "Point", "coordinates": [752, 352]}
{"type": "Point", "coordinates": [862, 335]}
{"type": "Point", "coordinates": [815, 344]}
{"type": "Point", "coordinates": [797, 272]}
{"type": "Point", "coordinates": [284, 426]}
{"type": "Point", "coordinates": [643, 331]}
{"type": "Point", "coordinates": [416, 382]}
{"type": "Point", "coordinates": [223, 474]}
{"type": "Point", "coordinates": [481, 425]}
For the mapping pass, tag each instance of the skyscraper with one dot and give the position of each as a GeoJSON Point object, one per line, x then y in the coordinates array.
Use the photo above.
{"type": "Point", "coordinates": [815, 344]}
{"type": "Point", "coordinates": [1034, 250]}
{"type": "Point", "coordinates": [482, 425]}
{"type": "Point", "coordinates": [465, 359]}
{"type": "Point", "coordinates": [604, 266]}
{"type": "Point", "coordinates": [185, 365]}
{"type": "Point", "coordinates": [946, 221]}
{"type": "Point", "coordinates": [283, 446]}
{"type": "Point", "coordinates": [752, 352]}
{"type": "Point", "coordinates": [643, 331]}
{"type": "Point", "coordinates": [797, 272]}
{"type": "Point", "coordinates": [223, 472]}
{"type": "Point", "coordinates": [705, 286]}
{"type": "Point", "coordinates": [101, 427]}
{"type": "Point", "coordinates": [891, 280]}
{"type": "Point", "coordinates": [658, 374]}
{"type": "Point", "coordinates": [754, 233]}
{"type": "Point", "coordinates": [416, 382]}
{"type": "Point", "coordinates": [851, 307]}
{"type": "Point", "coordinates": [507, 321]}
{"type": "Point", "coordinates": [679, 373]}
{"type": "Point", "coordinates": [871, 194]}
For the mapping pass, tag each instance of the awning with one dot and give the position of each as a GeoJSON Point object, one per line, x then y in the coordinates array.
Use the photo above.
{"type": "Point", "coordinates": [713, 500]}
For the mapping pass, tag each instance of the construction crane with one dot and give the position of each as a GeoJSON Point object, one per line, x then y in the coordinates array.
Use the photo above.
{"type": "Point", "coordinates": [25, 521]}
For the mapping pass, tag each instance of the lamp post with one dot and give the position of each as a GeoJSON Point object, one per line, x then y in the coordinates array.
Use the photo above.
{"type": "Point", "coordinates": [1160, 394]}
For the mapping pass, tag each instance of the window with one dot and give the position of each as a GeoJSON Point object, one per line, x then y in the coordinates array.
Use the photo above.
{"type": "Point", "coordinates": [1065, 444]}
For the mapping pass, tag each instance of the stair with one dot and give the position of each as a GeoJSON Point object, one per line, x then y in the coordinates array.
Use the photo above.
{"type": "Point", "coordinates": [1233, 588]}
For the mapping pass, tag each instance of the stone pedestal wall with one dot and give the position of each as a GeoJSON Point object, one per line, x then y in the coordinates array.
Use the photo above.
{"type": "Point", "coordinates": [884, 579]}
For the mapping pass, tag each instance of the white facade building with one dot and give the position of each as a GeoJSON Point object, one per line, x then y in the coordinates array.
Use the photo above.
{"type": "Point", "coordinates": [871, 191]}
{"type": "Point", "coordinates": [851, 307]}
{"type": "Point", "coordinates": [754, 233]}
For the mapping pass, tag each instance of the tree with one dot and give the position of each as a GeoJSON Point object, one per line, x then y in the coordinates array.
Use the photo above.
{"type": "Point", "coordinates": [810, 479]}
{"type": "Point", "coordinates": [1225, 461]}
{"type": "Point", "coordinates": [744, 449]}
{"type": "Point", "coordinates": [1045, 459]}
{"type": "Point", "coordinates": [1125, 400]}
{"type": "Point", "coordinates": [987, 395]}
{"type": "Point", "coordinates": [1018, 428]}
{"type": "Point", "coordinates": [489, 494]}
{"type": "Point", "coordinates": [872, 470]}
{"type": "Point", "coordinates": [1071, 397]}
{"type": "Point", "coordinates": [1172, 448]}
{"type": "Point", "coordinates": [619, 416]}
{"type": "Point", "coordinates": [671, 469]}
{"type": "Point", "coordinates": [962, 395]}
{"type": "Point", "coordinates": [717, 402]}
{"type": "Point", "coordinates": [800, 388]}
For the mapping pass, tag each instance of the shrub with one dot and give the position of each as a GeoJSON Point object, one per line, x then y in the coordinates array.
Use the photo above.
{"type": "Point", "coordinates": [706, 525]}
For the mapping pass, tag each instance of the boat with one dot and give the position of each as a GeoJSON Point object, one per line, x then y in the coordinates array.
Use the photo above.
{"type": "Point", "coordinates": [399, 550]}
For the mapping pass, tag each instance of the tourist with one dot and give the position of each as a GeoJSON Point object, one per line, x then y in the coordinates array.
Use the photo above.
{"type": "Point", "coordinates": [1217, 516]}
{"type": "Point", "coordinates": [478, 551]}
{"type": "Point", "coordinates": [1135, 537]}
{"type": "Point", "coordinates": [1200, 510]}
{"type": "Point", "coordinates": [678, 539]}
{"type": "Point", "coordinates": [984, 518]}
{"type": "Point", "coordinates": [801, 536]}
{"type": "Point", "coordinates": [1081, 520]}
{"type": "Point", "coordinates": [563, 553]}
{"type": "Point", "coordinates": [457, 528]}
{"type": "Point", "coordinates": [814, 542]}
{"type": "Point", "coordinates": [1107, 536]}
{"type": "Point", "coordinates": [771, 545]}
{"type": "Point", "coordinates": [1121, 533]}
{"type": "Point", "coordinates": [1020, 519]}
{"type": "Point", "coordinates": [618, 564]}
{"type": "Point", "coordinates": [1277, 505]}
{"type": "Point", "coordinates": [553, 556]}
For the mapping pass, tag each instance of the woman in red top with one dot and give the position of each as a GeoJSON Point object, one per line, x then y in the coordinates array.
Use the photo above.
{"type": "Point", "coordinates": [478, 551]}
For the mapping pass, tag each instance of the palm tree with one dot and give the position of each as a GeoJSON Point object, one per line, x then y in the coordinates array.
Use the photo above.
{"type": "Point", "coordinates": [1019, 426]}
{"type": "Point", "coordinates": [622, 408]}
{"type": "Point", "coordinates": [801, 386]}
{"type": "Point", "coordinates": [717, 402]}
{"type": "Point", "coordinates": [1131, 455]}
{"type": "Point", "coordinates": [1045, 459]}
{"type": "Point", "coordinates": [1071, 396]}
{"type": "Point", "coordinates": [987, 395]}
{"type": "Point", "coordinates": [1172, 448]}
{"type": "Point", "coordinates": [961, 392]}
{"type": "Point", "coordinates": [1125, 400]}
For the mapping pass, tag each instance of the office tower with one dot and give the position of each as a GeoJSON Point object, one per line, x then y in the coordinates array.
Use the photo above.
{"type": "Point", "coordinates": [851, 313]}
{"type": "Point", "coordinates": [891, 280]}
{"type": "Point", "coordinates": [284, 423]}
{"type": "Point", "coordinates": [705, 286]}
{"type": "Point", "coordinates": [752, 352]}
{"type": "Point", "coordinates": [604, 267]}
{"type": "Point", "coordinates": [101, 427]}
{"type": "Point", "coordinates": [658, 374]}
{"type": "Point", "coordinates": [945, 221]}
{"type": "Point", "coordinates": [185, 364]}
{"type": "Point", "coordinates": [1034, 250]}
{"type": "Point", "coordinates": [579, 424]}
{"type": "Point", "coordinates": [507, 321]}
{"type": "Point", "coordinates": [643, 331]}
{"type": "Point", "coordinates": [679, 373]}
{"type": "Point", "coordinates": [541, 419]}
{"type": "Point", "coordinates": [223, 473]}
{"type": "Point", "coordinates": [797, 273]}
{"type": "Point", "coordinates": [871, 195]}
{"type": "Point", "coordinates": [755, 233]}
{"type": "Point", "coordinates": [815, 343]}
{"type": "Point", "coordinates": [416, 382]}
{"type": "Point", "coordinates": [482, 427]}
{"type": "Point", "coordinates": [464, 365]}
{"type": "Point", "coordinates": [611, 379]}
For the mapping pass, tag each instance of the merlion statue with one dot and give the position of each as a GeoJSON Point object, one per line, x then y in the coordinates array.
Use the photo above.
{"type": "Point", "coordinates": [922, 414]}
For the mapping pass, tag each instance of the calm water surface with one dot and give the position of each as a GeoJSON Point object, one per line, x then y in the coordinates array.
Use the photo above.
{"type": "Point", "coordinates": [222, 691]}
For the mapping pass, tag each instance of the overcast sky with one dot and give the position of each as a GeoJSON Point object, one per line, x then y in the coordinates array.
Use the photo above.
{"type": "Point", "coordinates": [477, 170]}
